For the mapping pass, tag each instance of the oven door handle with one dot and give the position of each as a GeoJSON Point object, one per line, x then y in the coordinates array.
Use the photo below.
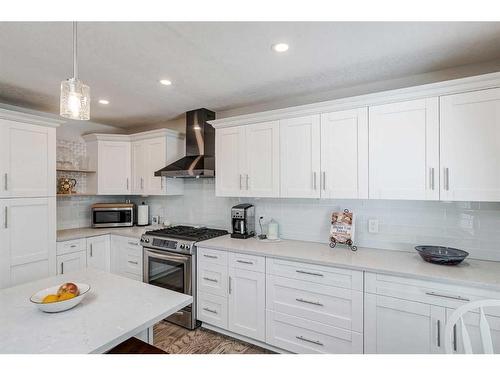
{"type": "Point", "coordinates": [163, 255]}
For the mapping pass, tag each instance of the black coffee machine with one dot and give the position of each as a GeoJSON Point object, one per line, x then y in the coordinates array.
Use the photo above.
{"type": "Point", "coordinates": [243, 221]}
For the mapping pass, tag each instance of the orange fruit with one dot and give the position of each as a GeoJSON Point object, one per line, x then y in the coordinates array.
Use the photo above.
{"type": "Point", "coordinates": [50, 298]}
{"type": "Point", "coordinates": [66, 295]}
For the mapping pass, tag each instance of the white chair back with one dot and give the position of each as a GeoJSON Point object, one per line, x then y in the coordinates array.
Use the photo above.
{"type": "Point", "coordinates": [484, 327]}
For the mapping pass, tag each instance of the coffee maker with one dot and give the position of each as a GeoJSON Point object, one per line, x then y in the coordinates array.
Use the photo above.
{"type": "Point", "coordinates": [243, 220]}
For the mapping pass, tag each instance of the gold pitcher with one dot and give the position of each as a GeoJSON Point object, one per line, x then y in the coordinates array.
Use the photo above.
{"type": "Point", "coordinates": [66, 186]}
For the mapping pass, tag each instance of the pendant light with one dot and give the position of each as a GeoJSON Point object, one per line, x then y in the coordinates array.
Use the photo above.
{"type": "Point", "coordinates": [75, 95]}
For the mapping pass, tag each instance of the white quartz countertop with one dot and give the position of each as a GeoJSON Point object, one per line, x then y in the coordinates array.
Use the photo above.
{"type": "Point", "coordinates": [116, 309]}
{"type": "Point", "coordinates": [76, 233]}
{"type": "Point", "coordinates": [484, 274]}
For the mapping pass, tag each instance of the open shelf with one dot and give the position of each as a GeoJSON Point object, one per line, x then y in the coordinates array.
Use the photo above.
{"type": "Point", "coordinates": [75, 195]}
{"type": "Point", "coordinates": [74, 170]}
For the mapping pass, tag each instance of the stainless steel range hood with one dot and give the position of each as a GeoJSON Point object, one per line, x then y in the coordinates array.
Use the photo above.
{"type": "Point", "coordinates": [200, 148]}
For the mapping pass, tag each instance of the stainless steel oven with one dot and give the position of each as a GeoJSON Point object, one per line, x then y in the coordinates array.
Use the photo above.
{"type": "Point", "coordinates": [112, 215]}
{"type": "Point", "coordinates": [175, 272]}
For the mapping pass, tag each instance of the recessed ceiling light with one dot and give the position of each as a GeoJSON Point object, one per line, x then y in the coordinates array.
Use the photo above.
{"type": "Point", "coordinates": [165, 82]}
{"type": "Point", "coordinates": [280, 47]}
{"type": "Point", "coordinates": [103, 101]}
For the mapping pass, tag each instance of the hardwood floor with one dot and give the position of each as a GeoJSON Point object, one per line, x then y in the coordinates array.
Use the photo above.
{"type": "Point", "coordinates": [178, 340]}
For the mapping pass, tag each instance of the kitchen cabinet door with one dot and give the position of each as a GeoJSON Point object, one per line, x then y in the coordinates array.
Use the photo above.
{"type": "Point", "coordinates": [471, 320]}
{"type": "Point", "coordinates": [404, 150]}
{"type": "Point", "coordinates": [470, 146]}
{"type": "Point", "coordinates": [247, 303]}
{"type": "Point", "coordinates": [27, 256]}
{"type": "Point", "coordinates": [396, 326]}
{"type": "Point", "coordinates": [114, 169]}
{"type": "Point", "coordinates": [139, 165]}
{"type": "Point", "coordinates": [344, 154]}
{"type": "Point", "coordinates": [27, 165]}
{"type": "Point", "coordinates": [98, 253]}
{"type": "Point", "coordinates": [72, 262]}
{"type": "Point", "coordinates": [262, 173]}
{"type": "Point", "coordinates": [126, 257]}
{"type": "Point", "coordinates": [230, 162]}
{"type": "Point", "coordinates": [300, 157]}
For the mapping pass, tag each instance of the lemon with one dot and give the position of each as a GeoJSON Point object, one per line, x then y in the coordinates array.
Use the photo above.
{"type": "Point", "coordinates": [50, 298]}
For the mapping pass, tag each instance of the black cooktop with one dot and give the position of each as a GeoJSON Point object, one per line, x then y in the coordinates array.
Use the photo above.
{"type": "Point", "coordinates": [184, 232]}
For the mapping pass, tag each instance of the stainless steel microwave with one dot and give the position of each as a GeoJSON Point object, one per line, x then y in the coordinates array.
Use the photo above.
{"type": "Point", "coordinates": [112, 215]}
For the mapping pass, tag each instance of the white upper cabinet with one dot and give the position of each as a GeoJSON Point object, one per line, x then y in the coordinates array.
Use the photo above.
{"type": "Point", "coordinates": [404, 150]}
{"type": "Point", "coordinates": [344, 154]}
{"type": "Point", "coordinates": [112, 161]}
{"type": "Point", "coordinates": [300, 157]}
{"type": "Point", "coordinates": [27, 160]}
{"type": "Point", "coordinates": [230, 161]}
{"type": "Point", "coordinates": [138, 167]}
{"type": "Point", "coordinates": [262, 177]}
{"type": "Point", "coordinates": [470, 146]}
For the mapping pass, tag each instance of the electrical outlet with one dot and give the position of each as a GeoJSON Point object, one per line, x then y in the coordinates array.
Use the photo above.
{"type": "Point", "coordinates": [372, 226]}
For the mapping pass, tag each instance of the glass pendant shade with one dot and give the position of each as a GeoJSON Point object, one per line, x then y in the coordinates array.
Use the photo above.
{"type": "Point", "coordinates": [75, 100]}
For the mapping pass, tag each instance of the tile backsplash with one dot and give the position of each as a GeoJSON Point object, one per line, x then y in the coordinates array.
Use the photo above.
{"type": "Point", "coordinates": [471, 226]}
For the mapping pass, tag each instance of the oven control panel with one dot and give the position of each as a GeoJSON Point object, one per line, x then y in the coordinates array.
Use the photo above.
{"type": "Point", "coordinates": [167, 244]}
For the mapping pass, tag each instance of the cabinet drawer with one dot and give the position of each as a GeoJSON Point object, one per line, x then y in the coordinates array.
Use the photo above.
{"type": "Point", "coordinates": [303, 336]}
{"type": "Point", "coordinates": [72, 246]}
{"type": "Point", "coordinates": [132, 262]}
{"type": "Point", "coordinates": [247, 262]}
{"type": "Point", "coordinates": [338, 277]}
{"type": "Point", "coordinates": [212, 256]}
{"type": "Point", "coordinates": [339, 307]}
{"type": "Point", "coordinates": [212, 278]}
{"type": "Point", "coordinates": [431, 292]}
{"type": "Point", "coordinates": [212, 309]}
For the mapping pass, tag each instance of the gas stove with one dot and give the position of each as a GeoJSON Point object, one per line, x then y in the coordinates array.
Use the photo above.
{"type": "Point", "coordinates": [179, 239]}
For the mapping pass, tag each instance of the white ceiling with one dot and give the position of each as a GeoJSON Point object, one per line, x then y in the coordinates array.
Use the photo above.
{"type": "Point", "coordinates": [222, 66]}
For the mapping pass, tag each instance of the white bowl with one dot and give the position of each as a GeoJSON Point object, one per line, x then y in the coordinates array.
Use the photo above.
{"type": "Point", "coordinates": [53, 307]}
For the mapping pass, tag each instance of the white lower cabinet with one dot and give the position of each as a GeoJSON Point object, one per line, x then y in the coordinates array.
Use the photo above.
{"type": "Point", "coordinates": [212, 309]}
{"type": "Point", "coordinates": [300, 335]}
{"type": "Point", "coordinates": [396, 326]}
{"type": "Point", "coordinates": [98, 253]}
{"type": "Point", "coordinates": [247, 296]}
{"type": "Point", "coordinates": [126, 257]}
{"type": "Point", "coordinates": [71, 262]}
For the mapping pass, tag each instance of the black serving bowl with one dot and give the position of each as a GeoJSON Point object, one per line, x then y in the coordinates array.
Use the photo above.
{"type": "Point", "coordinates": [441, 255]}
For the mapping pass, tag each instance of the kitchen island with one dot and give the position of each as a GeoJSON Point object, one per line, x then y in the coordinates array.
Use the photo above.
{"type": "Point", "coordinates": [115, 309]}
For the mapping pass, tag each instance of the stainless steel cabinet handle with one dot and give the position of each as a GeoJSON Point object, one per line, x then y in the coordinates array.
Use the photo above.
{"type": "Point", "coordinates": [230, 286]}
{"type": "Point", "coordinates": [455, 337]}
{"type": "Point", "coordinates": [309, 340]}
{"type": "Point", "coordinates": [309, 273]}
{"type": "Point", "coordinates": [431, 178]}
{"type": "Point", "coordinates": [309, 302]}
{"type": "Point", "coordinates": [314, 181]}
{"type": "Point", "coordinates": [446, 179]}
{"type": "Point", "coordinates": [446, 296]}
{"type": "Point", "coordinates": [132, 262]}
{"type": "Point", "coordinates": [142, 183]}
{"type": "Point", "coordinates": [210, 256]}
{"type": "Point", "coordinates": [241, 186]}
{"type": "Point", "coordinates": [127, 183]}
{"type": "Point", "coordinates": [133, 243]}
{"type": "Point", "coordinates": [210, 310]}
{"type": "Point", "coordinates": [91, 251]}
{"type": "Point", "coordinates": [161, 183]}
{"type": "Point", "coordinates": [246, 178]}
{"type": "Point", "coordinates": [438, 333]}
{"type": "Point", "coordinates": [62, 268]}
{"type": "Point", "coordinates": [324, 180]}
{"type": "Point", "coordinates": [6, 183]}
{"type": "Point", "coordinates": [73, 246]}
{"type": "Point", "coordinates": [210, 279]}
{"type": "Point", "coordinates": [244, 261]}
{"type": "Point", "coordinates": [6, 220]}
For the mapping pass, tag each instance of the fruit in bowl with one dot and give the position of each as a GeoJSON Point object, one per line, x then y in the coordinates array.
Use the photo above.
{"type": "Point", "coordinates": [60, 298]}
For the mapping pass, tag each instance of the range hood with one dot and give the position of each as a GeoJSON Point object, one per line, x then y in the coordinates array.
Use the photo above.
{"type": "Point", "coordinates": [200, 148]}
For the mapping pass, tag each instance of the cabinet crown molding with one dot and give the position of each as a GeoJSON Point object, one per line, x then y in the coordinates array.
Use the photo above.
{"type": "Point", "coordinates": [479, 82]}
{"type": "Point", "coordinates": [28, 118]}
{"type": "Point", "coordinates": [133, 137]}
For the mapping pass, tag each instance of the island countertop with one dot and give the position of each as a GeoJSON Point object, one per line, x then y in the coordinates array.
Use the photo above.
{"type": "Point", "coordinates": [116, 309]}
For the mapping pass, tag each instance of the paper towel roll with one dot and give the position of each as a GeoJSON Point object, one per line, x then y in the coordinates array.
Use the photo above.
{"type": "Point", "coordinates": [143, 214]}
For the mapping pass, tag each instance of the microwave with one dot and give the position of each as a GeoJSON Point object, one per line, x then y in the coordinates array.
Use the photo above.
{"type": "Point", "coordinates": [106, 215]}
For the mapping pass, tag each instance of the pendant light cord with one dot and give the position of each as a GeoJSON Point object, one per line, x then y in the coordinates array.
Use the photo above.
{"type": "Point", "coordinates": [75, 55]}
